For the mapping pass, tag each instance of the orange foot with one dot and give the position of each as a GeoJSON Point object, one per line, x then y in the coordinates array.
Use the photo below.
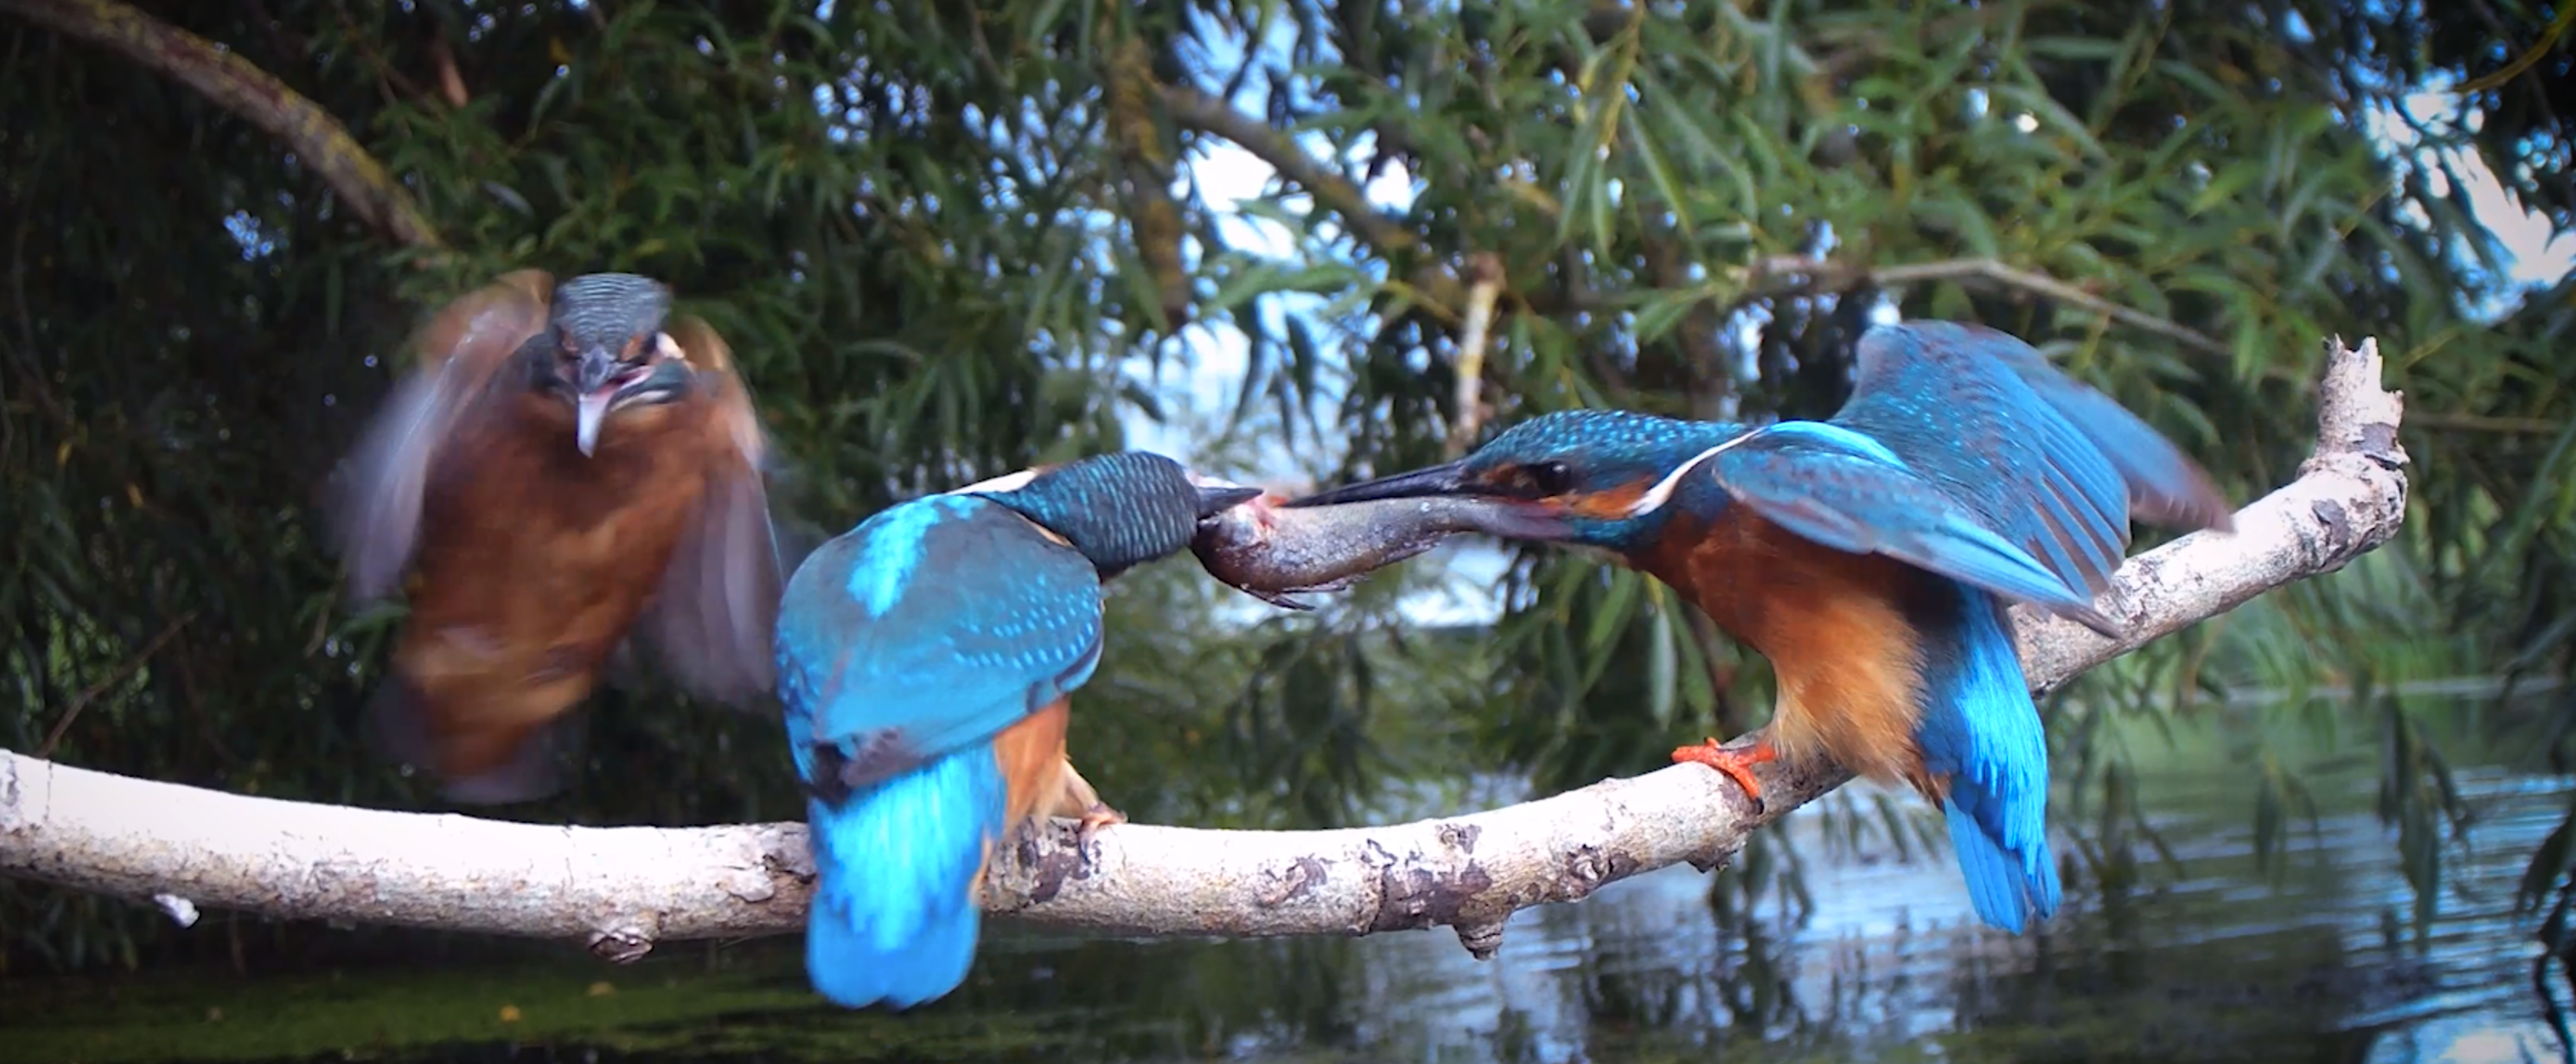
{"type": "Point", "coordinates": [1737, 764]}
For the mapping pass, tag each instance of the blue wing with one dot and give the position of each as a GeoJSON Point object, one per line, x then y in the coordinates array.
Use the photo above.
{"type": "Point", "coordinates": [2165, 486]}
{"type": "Point", "coordinates": [1964, 418]}
{"type": "Point", "coordinates": [1844, 490]}
{"type": "Point", "coordinates": [931, 627]}
{"type": "Point", "coordinates": [2053, 465]}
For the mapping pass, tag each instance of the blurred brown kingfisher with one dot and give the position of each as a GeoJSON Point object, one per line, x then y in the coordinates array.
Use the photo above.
{"type": "Point", "coordinates": [567, 464]}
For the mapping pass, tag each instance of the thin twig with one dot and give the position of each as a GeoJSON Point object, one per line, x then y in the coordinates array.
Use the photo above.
{"type": "Point", "coordinates": [451, 82]}
{"type": "Point", "coordinates": [1485, 282]}
{"type": "Point", "coordinates": [1432, 284]}
{"type": "Point", "coordinates": [1766, 278]}
{"type": "Point", "coordinates": [90, 694]}
{"type": "Point", "coordinates": [391, 81]}
{"type": "Point", "coordinates": [2548, 42]}
{"type": "Point", "coordinates": [1706, 383]}
{"type": "Point", "coordinates": [2512, 426]}
{"type": "Point", "coordinates": [238, 86]}
{"type": "Point", "coordinates": [1332, 191]}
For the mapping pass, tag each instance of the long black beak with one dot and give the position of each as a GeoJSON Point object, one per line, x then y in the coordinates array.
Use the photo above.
{"type": "Point", "coordinates": [1448, 479]}
{"type": "Point", "coordinates": [1442, 495]}
{"type": "Point", "coordinates": [1215, 499]}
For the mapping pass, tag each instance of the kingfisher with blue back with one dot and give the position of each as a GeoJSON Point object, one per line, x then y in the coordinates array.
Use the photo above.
{"type": "Point", "coordinates": [1870, 557]}
{"type": "Point", "coordinates": [925, 662]}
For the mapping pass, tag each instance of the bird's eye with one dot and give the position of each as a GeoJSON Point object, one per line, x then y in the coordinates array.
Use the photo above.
{"type": "Point", "coordinates": [1550, 478]}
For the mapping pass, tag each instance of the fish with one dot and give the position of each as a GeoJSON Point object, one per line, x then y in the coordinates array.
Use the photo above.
{"type": "Point", "coordinates": [1274, 553]}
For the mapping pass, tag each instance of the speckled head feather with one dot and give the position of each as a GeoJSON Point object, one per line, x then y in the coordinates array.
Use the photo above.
{"type": "Point", "coordinates": [1595, 463]}
{"type": "Point", "coordinates": [1120, 509]}
{"type": "Point", "coordinates": [604, 350]}
{"type": "Point", "coordinates": [1604, 476]}
{"type": "Point", "coordinates": [1601, 450]}
{"type": "Point", "coordinates": [608, 309]}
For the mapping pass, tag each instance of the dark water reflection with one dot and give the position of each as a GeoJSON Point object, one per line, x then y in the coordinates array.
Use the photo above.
{"type": "Point", "coordinates": [2211, 964]}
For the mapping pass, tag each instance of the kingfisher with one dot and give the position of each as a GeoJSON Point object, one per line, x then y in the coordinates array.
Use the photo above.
{"type": "Point", "coordinates": [926, 659]}
{"type": "Point", "coordinates": [1870, 558]}
{"type": "Point", "coordinates": [566, 465]}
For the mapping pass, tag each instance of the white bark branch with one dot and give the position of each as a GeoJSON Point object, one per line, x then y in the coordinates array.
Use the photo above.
{"type": "Point", "coordinates": [623, 889]}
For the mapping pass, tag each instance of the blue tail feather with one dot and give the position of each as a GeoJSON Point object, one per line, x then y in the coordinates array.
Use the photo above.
{"type": "Point", "coordinates": [893, 919]}
{"type": "Point", "coordinates": [1981, 730]}
{"type": "Point", "coordinates": [2005, 887]}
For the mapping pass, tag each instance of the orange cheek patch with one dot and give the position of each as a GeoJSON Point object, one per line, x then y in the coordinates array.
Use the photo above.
{"type": "Point", "coordinates": [649, 416]}
{"type": "Point", "coordinates": [1611, 505]}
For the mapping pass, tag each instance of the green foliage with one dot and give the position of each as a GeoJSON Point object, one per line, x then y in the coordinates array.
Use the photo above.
{"type": "Point", "coordinates": [948, 240]}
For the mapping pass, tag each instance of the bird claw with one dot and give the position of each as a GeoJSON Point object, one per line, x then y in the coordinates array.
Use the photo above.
{"type": "Point", "coordinates": [1099, 816]}
{"type": "Point", "coordinates": [1093, 819]}
{"type": "Point", "coordinates": [1736, 764]}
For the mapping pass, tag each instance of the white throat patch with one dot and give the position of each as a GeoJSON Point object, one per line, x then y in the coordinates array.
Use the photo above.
{"type": "Point", "coordinates": [1655, 497]}
{"type": "Point", "coordinates": [1005, 482]}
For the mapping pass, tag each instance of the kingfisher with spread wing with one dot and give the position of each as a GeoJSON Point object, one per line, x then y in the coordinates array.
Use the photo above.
{"type": "Point", "coordinates": [926, 660]}
{"type": "Point", "coordinates": [1870, 557]}
{"type": "Point", "coordinates": [569, 464]}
